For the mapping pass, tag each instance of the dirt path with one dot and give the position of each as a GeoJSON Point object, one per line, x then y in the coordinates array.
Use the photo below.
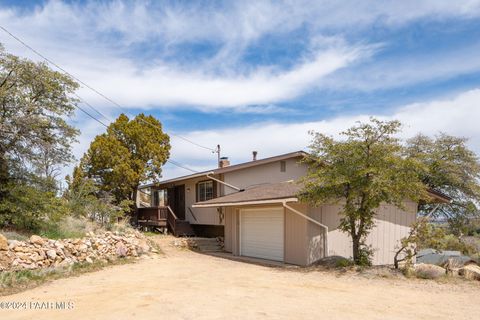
{"type": "Point", "coordinates": [187, 285]}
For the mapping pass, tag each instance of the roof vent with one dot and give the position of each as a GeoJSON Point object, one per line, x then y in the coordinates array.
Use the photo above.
{"type": "Point", "coordinates": [224, 162]}
{"type": "Point", "coordinates": [254, 154]}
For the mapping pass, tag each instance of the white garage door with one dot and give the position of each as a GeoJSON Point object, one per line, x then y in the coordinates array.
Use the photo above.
{"type": "Point", "coordinates": [261, 233]}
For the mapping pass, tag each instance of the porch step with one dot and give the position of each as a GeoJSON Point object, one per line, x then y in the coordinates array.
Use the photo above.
{"type": "Point", "coordinates": [183, 229]}
{"type": "Point", "coordinates": [207, 244]}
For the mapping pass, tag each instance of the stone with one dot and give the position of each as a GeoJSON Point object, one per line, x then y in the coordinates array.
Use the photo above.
{"type": "Point", "coordinates": [37, 240]}
{"type": "Point", "coordinates": [470, 272]}
{"type": "Point", "coordinates": [42, 253]}
{"type": "Point", "coordinates": [429, 271]}
{"type": "Point", "coordinates": [66, 263]}
{"type": "Point", "coordinates": [51, 254]}
{"type": "Point", "coordinates": [19, 249]}
{"type": "Point", "coordinates": [121, 250]}
{"type": "Point", "coordinates": [59, 245]}
{"type": "Point", "coordinates": [3, 243]}
{"type": "Point", "coordinates": [36, 257]}
{"type": "Point", "coordinates": [6, 260]}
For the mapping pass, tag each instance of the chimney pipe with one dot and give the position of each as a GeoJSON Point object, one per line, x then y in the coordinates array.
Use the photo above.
{"type": "Point", "coordinates": [224, 162]}
{"type": "Point", "coordinates": [254, 154]}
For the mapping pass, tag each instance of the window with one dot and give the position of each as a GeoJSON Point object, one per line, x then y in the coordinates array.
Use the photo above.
{"type": "Point", "coordinates": [205, 190]}
{"type": "Point", "coordinates": [160, 198]}
{"type": "Point", "coordinates": [283, 166]}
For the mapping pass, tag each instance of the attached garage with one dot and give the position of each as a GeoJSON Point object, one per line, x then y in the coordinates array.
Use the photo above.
{"type": "Point", "coordinates": [262, 233]}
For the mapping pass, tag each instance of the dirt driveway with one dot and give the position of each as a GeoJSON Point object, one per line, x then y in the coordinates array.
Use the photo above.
{"type": "Point", "coordinates": [187, 285]}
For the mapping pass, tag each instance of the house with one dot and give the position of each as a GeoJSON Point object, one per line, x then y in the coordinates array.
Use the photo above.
{"type": "Point", "coordinates": [254, 205]}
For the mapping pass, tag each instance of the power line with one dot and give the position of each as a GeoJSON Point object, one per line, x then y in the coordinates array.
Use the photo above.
{"type": "Point", "coordinates": [96, 91]}
{"type": "Point", "coordinates": [175, 163]}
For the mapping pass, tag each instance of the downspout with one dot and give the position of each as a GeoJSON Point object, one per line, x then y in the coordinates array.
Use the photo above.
{"type": "Point", "coordinates": [222, 182]}
{"type": "Point", "coordinates": [433, 211]}
{"type": "Point", "coordinates": [285, 205]}
{"type": "Point", "coordinates": [221, 213]}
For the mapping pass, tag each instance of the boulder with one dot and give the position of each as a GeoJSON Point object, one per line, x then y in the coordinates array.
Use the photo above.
{"type": "Point", "coordinates": [3, 243]}
{"type": "Point", "coordinates": [143, 246]}
{"type": "Point", "coordinates": [121, 250]}
{"type": "Point", "coordinates": [470, 271]}
{"type": "Point", "coordinates": [429, 271]}
{"type": "Point", "coordinates": [12, 244]}
{"type": "Point", "coordinates": [36, 240]}
{"type": "Point", "coordinates": [51, 254]}
{"type": "Point", "coordinates": [6, 260]}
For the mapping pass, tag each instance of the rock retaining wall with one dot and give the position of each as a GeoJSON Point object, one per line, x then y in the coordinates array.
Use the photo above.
{"type": "Point", "coordinates": [39, 252]}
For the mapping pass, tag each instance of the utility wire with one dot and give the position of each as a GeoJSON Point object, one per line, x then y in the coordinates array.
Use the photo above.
{"type": "Point", "coordinates": [175, 163]}
{"type": "Point", "coordinates": [96, 91]}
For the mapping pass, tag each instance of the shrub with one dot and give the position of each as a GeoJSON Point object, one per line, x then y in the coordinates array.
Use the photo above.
{"type": "Point", "coordinates": [344, 263]}
{"type": "Point", "coordinates": [365, 255]}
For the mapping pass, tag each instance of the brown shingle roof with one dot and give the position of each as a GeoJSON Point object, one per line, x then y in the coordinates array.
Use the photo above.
{"type": "Point", "coordinates": [257, 193]}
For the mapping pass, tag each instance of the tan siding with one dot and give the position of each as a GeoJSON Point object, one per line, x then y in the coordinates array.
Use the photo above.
{"type": "Point", "coordinates": [295, 236]}
{"type": "Point", "coordinates": [203, 215]}
{"type": "Point", "coordinates": [391, 225]}
{"type": "Point", "coordinates": [235, 222]}
{"type": "Point", "coordinates": [315, 236]}
{"type": "Point", "coordinates": [267, 173]}
{"type": "Point", "coordinates": [235, 232]}
{"type": "Point", "coordinates": [339, 243]}
{"type": "Point", "coordinates": [228, 241]}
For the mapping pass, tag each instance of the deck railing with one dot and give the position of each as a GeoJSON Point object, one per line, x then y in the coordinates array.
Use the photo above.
{"type": "Point", "coordinates": [171, 219]}
{"type": "Point", "coordinates": [152, 216]}
{"type": "Point", "coordinates": [163, 217]}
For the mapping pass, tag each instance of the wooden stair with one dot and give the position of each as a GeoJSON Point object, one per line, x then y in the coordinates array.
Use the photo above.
{"type": "Point", "coordinates": [178, 227]}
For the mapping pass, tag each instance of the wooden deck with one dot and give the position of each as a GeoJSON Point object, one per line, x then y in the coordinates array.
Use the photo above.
{"type": "Point", "coordinates": [163, 217]}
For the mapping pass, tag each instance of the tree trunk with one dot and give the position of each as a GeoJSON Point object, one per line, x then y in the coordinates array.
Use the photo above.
{"type": "Point", "coordinates": [356, 248]}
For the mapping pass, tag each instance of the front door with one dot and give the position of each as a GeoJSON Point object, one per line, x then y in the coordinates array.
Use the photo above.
{"type": "Point", "coordinates": [179, 205]}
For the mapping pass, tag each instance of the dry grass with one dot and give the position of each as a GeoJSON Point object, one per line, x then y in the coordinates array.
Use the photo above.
{"type": "Point", "coordinates": [17, 281]}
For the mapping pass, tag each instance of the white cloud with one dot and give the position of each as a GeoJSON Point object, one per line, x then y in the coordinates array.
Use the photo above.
{"type": "Point", "coordinates": [456, 116]}
{"type": "Point", "coordinates": [95, 42]}
{"type": "Point", "coordinates": [165, 86]}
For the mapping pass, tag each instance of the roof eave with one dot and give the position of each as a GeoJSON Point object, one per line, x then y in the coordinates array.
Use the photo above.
{"type": "Point", "coordinates": [439, 197]}
{"type": "Point", "coordinates": [244, 203]}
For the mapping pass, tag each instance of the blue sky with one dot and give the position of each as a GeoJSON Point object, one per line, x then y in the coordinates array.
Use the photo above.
{"type": "Point", "coordinates": [257, 75]}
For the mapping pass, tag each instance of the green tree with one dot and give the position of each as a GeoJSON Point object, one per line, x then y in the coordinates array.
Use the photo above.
{"type": "Point", "coordinates": [361, 171]}
{"type": "Point", "coordinates": [422, 235]}
{"type": "Point", "coordinates": [129, 153]}
{"type": "Point", "coordinates": [35, 137]}
{"type": "Point", "coordinates": [451, 168]}
{"type": "Point", "coordinates": [85, 199]}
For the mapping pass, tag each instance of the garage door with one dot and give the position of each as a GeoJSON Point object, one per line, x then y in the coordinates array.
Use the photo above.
{"type": "Point", "coordinates": [261, 233]}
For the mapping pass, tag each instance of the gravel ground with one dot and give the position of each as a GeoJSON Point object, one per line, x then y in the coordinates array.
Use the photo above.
{"type": "Point", "coordinates": [186, 285]}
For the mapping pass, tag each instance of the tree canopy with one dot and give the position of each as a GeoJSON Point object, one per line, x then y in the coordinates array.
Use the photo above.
{"type": "Point", "coordinates": [361, 171]}
{"type": "Point", "coordinates": [451, 168]}
{"type": "Point", "coordinates": [35, 138]}
{"type": "Point", "coordinates": [129, 153]}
